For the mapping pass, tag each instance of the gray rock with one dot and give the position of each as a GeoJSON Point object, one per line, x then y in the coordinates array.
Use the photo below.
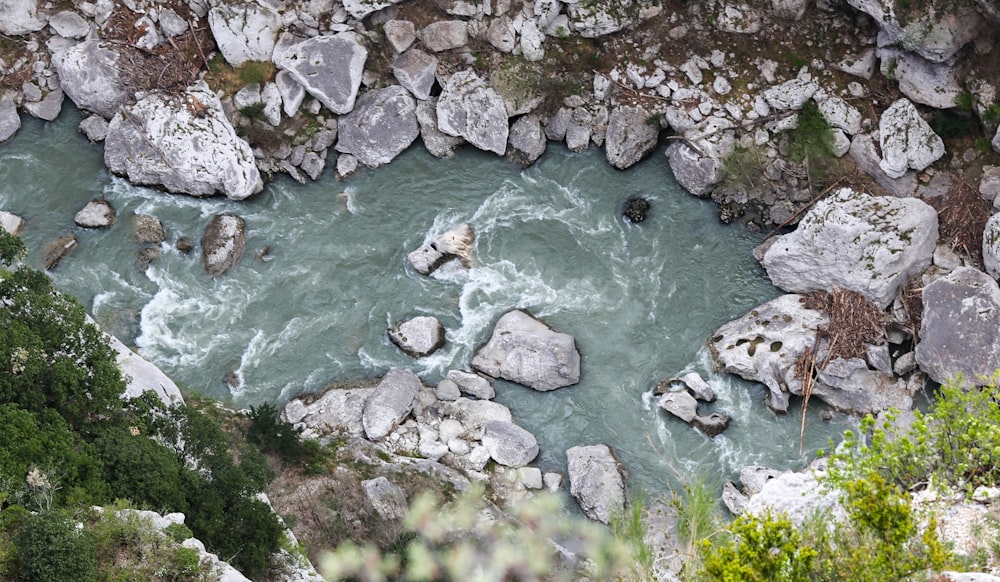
{"type": "Point", "coordinates": [11, 222]}
{"type": "Point", "coordinates": [94, 127]}
{"type": "Point", "coordinates": [313, 164]}
{"type": "Point", "coordinates": [798, 495]}
{"type": "Point", "coordinates": [10, 121]}
{"type": "Point", "coordinates": [578, 131]}
{"type": "Point", "coordinates": [171, 23]}
{"type": "Point", "coordinates": [878, 358]}
{"type": "Point", "coordinates": [148, 229]}
{"type": "Point", "coordinates": [996, 146]}
{"type": "Point", "coordinates": [907, 141]}
{"type": "Point", "coordinates": [57, 250]}
{"type": "Point", "coordinates": [861, 64]}
{"type": "Point", "coordinates": [958, 333]}
{"type": "Point", "coordinates": [935, 84]}
{"type": "Point", "coordinates": [472, 384]}
{"type": "Point", "coordinates": [469, 108]}
{"type": "Point", "coordinates": [20, 17]}
{"type": "Point", "coordinates": [594, 19]}
{"type": "Point", "coordinates": [337, 411]}
{"type": "Point", "coordinates": [552, 481]}
{"type": "Point", "coordinates": [362, 8]}
{"type": "Point", "coordinates": [697, 171]}
{"type": "Point", "coordinates": [866, 155]}
{"type": "Point", "coordinates": [400, 33]}
{"type": "Point", "coordinates": [738, 19]}
{"type": "Point", "coordinates": [474, 414]}
{"type": "Point", "coordinates": [382, 125]}
{"type": "Point", "coordinates": [244, 31]}
{"type": "Point", "coordinates": [556, 126]}
{"type": "Point", "coordinates": [680, 404]}
{"type": "Point", "coordinates": [509, 444]}
{"type": "Point", "coordinates": [143, 376]}
{"type": "Point", "coordinates": [630, 136]}
{"type": "Point", "coordinates": [416, 70]}
{"type": "Point", "coordinates": [346, 165]}
{"type": "Point", "coordinates": [790, 95]}
{"type": "Point", "coordinates": [789, 9]}
{"type": "Point", "coordinates": [989, 183]}
{"type": "Point", "coordinates": [712, 424]}
{"type": "Point", "coordinates": [733, 499]}
{"type": "Point", "coordinates": [69, 24]}
{"type": "Point", "coordinates": [501, 34]}
{"type": "Point", "coordinates": [754, 477]}
{"type": "Point", "coordinates": [526, 351]}
{"type": "Point", "coordinates": [445, 35]}
{"type": "Point", "coordinates": [447, 390]}
{"type": "Point", "coordinates": [763, 345]}
{"type": "Point", "coordinates": [849, 386]}
{"type": "Point", "coordinates": [698, 386]}
{"type": "Point", "coordinates": [390, 402]}
{"type": "Point", "coordinates": [526, 141]}
{"type": "Point", "coordinates": [418, 337]}
{"type": "Point", "coordinates": [453, 244]}
{"type": "Point", "coordinates": [905, 364]}
{"type": "Point", "coordinates": [388, 499]}
{"type": "Point", "coordinates": [88, 74]}
{"type": "Point", "coordinates": [291, 92]}
{"type": "Point", "coordinates": [223, 243]}
{"type": "Point", "coordinates": [936, 35]}
{"type": "Point", "coordinates": [438, 143]}
{"type": "Point", "coordinates": [270, 96]}
{"type": "Point", "coordinates": [868, 244]}
{"type": "Point", "coordinates": [96, 214]}
{"type": "Point", "coordinates": [532, 42]}
{"type": "Point", "coordinates": [838, 113]}
{"type": "Point", "coordinates": [597, 481]}
{"type": "Point", "coordinates": [328, 67]}
{"type": "Point", "coordinates": [184, 143]}
{"type": "Point", "coordinates": [991, 246]}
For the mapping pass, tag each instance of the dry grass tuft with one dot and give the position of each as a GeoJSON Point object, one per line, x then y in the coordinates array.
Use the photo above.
{"type": "Point", "coordinates": [962, 216]}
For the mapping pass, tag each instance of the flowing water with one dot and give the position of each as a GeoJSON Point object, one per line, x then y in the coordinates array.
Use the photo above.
{"type": "Point", "coordinates": [640, 299]}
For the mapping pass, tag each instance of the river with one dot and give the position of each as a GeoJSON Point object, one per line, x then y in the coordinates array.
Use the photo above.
{"type": "Point", "coordinates": [640, 299]}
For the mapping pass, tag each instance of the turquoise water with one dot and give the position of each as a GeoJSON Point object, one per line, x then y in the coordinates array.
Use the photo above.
{"type": "Point", "coordinates": [639, 299]}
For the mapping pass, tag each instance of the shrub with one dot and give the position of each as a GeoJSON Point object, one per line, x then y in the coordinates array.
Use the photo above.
{"type": "Point", "coordinates": [50, 548]}
{"type": "Point", "coordinates": [765, 549]}
{"type": "Point", "coordinates": [812, 138]}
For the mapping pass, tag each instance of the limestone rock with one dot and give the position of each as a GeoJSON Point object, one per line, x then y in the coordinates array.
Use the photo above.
{"type": "Point", "coordinates": [630, 136]}
{"type": "Point", "coordinates": [438, 143]}
{"type": "Point", "coordinates": [57, 250]}
{"type": "Point", "coordinates": [868, 244]}
{"type": "Point", "coordinates": [839, 113]}
{"type": "Point", "coordinates": [738, 19]}
{"type": "Point", "coordinates": [935, 34]}
{"type": "Point", "coordinates": [763, 345]}
{"type": "Point", "coordinates": [11, 222]}
{"type": "Point", "coordinates": [223, 243]}
{"type": "Point", "coordinates": [532, 41]}
{"type": "Point", "coordinates": [991, 246]}
{"type": "Point", "coordinates": [469, 108]}
{"type": "Point", "coordinates": [907, 141]}
{"type": "Point", "coordinates": [48, 108]}
{"type": "Point", "coordinates": [958, 334]}
{"type": "Point", "coordinates": [789, 9]}
{"type": "Point", "coordinates": [700, 165]}
{"type": "Point", "coordinates": [593, 19]}
{"type": "Point", "coordinates": [20, 17]}
{"type": "Point", "coordinates": [597, 481]}
{"type": "Point", "coordinates": [95, 128]}
{"type": "Point", "coordinates": [861, 64]}
{"type": "Point", "coordinates": [292, 94]}
{"type": "Point", "coordinates": [712, 424]}
{"type": "Point", "coordinates": [88, 74]}
{"type": "Point", "coordinates": [754, 477]}
{"type": "Point", "coordinates": [526, 141]}
{"type": "Point", "coordinates": [389, 403]}
{"type": "Point", "coordinates": [472, 384]}
{"type": "Point", "coordinates": [144, 376]}
{"type": "Point", "coordinates": [184, 143]}
{"type": "Point", "coordinates": [337, 411]}
{"type": "Point", "coordinates": [400, 33]}
{"type": "Point", "coordinates": [680, 404]}
{"type": "Point", "coordinates": [10, 121]}
{"type": "Point", "coordinates": [934, 84]}
{"type": "Point", "coordinates": [453, 244]}
{"type": "Point", "coordinates": [382, 125]}
{"type": "Point", "coordinates": [96, 214]}
{"type": "Point", "coordinates": [328, 67]}
{"type": "Point", "coordinates": [244, 31]}
{"type": "Point", "coordinates": [733, 499]}
{"type": "Point", "coordinates": [698, 386]}
{"type": "Point", "coordinates": [475, 414]}
{"type": "Point", "coordinates": [799, 496]}
{"type": "Point", "coordinates": [850, 386]}
{"type": "Point", "coordinates": [418, 337]}
{"type": "Point", "coordinates": [388, 499]}
{"type": "Point", "coordinates": [501, 34]}
{"type": "Point", "coordinates": [866, 155]}
{"type": "Point", "coordinates": [445, 35]}
{"type": "Point", "coordinates": [526, 351]}
{"type": "Point", "coordinates": [790, 95]}
{"type": "Point", "coordinates": [416, 70]}
{"type": "Point", "coordinates": [148, 229]}
{"type": "Point", "coordinates": [362, 8]}
{"type": "Point", "coordinates": [69, 24]}
{"type": "Point", "coordinates": [509, 444]}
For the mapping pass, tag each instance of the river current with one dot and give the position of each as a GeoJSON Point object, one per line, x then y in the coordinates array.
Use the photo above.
{"type": "Point", "coordinates": [640, 299]}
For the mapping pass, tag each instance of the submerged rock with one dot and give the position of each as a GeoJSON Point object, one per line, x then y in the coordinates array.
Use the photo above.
{"type": "Point", "coordinates": [526, 351]}
{"type": "Point", "coordinates": [636, 209]}
{"type": "Point", "coordinates": [597, 481]}
{"type": "Point", "coordinates": [453, 244]}
{"type": "Point", "coordinates": [223, 243]}
{"type": "Point", "coordinates": [148, 229]}
{"type": "Point", "coordinates": [418, 337]}
{"type": "Point", "coordinates": [56, 250]}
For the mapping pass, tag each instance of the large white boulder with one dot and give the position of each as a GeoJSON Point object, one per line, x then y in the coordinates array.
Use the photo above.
{"type": "Point", "coordinates": [144, 376]}
{"type": "Point", "coordinates": [907, 141]}
{"type": "Point", "coordinates": [509, 444]}
{"type": "Point", "coordinates": [10, 121]}
{"type": "Point", "coordinates": [597, 481]}
{"type": "Point", "coordinates": [184, 143]}
{"type": "Point", "coordinates": [19, 17]}
{"type": "Point", "coordinates": [390, 402]}
{"type": "Point", "coordinates": [868, 244]}
{"type": "Point", "coordinates": [631, 135]}
{"type": "Point", "coordinates": [328, 67]}
{"type": "Point", "coordinates": [800, 496]}
{"type": "Point", "coordinates": [526, 351]}
{"type": "Point", "coordinates": [382, 125]}
{"type": "Point", "coordinates": [88, 75]}
{"type": "Point", "coordinates": [937, 85]}
{"type": "Point", "coordinates": [991, 246]}
{"type": "Point", "coordinates": [244, 32]}
{"type": "Point", "coordinates": [362, 8]}
{"type": "Point", "coordinates": [935, 31]}
{"type": "Point", "coordinates": [471, 109]}
{"type": "Point", "coordinates": [593, 19]}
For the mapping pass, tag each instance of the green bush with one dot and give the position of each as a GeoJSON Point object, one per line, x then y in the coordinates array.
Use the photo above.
{"type": "Point", "coordinates": [764, 549]}
{"type": "Point", "coordinates": [50, 548]}
{"type": "Point", "coordinates": [812, 139]}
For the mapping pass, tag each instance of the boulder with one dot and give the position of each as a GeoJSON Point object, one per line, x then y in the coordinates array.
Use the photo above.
{"type": "Point", "coordinates": [88, 74]}
{"type": "Point", "coordinates": [143, 376]}
{"type": "Point", "coordinates": [996, 145]}
{"type": "Point", "coordinates": [382, 125]}
{"type": "Point", "coordinates": [850, 386]}
{"type": "Point", "coordinates": [790, 95]}
{"type": "Point", "coordinates": [20, 17]}
{"type": "Point", "coordinates": [184, 143]}
{"type": "Point", "coordinates": [532, 42]}
{"type": "Point", "coordinates": [453, 244]}
{"type": "Point", "coordinates": [863, 243]}
{"type": "Point", "coordinates": [475, 414]}
{"type": "Point", "coordinates": [698, 170]}
{"type": "Point", "coordinates": [907, 141]}
{"type": "Point", "coordinates": [388, 499]}
{"type": "Point", "coordinates": [244, 31]}
{"type": "Point", "coordinates": [96, 214]}
{"type": "Point", "coordinates": [223, 243]}
{"type": "Point", "coordinates": [698, 386]}
{"type": "Point", "coordinates": [630, 136]}
{"type": "Point", "coordinates": [11, 222]}
{"type": "Point", "coordinates": [800, 496]}
{"type": "Point", "coordinates": [636, 209]}
{"type": "Point", "coordinates": [48, 108]}
{"type": "Point", "coordinates": [328, 67]}
{"type": "Point", "coordinates": [362, 8]}
{"type": "Point", "coordinates": [526, 351]}
{"type": "Point", "coordinates": [10, 121]}
{"type": "Point", "coordinates": [754, 477]}
{"type": "Point", "coordinates": [438, 143]}
{"type": "Point", "coordinates": [838, 113]}
{"type": "Point", "coordinates": [94, 127]}
{"type": "Point", "coordinates": [593, 19]}
{"type": "Point", "coordinates": [734, 500]}
{"type": "Point", "coordinates": [578, 131]}
{"type": "Point", "coordinates": [337, 411]}
{"type": "Point", "coordinates": [712, 425]}
{"type": "Point", "coordinates": [416, 71]}
{"type": "Point", "coordinates": [936, 34]}
{"type": "Point", "coordinates": [860, 64]}
{"type": "Point", "coordinates": [937, 85]}
{"type": "Point", "coordinates": [418, 337]}
{"type": "Point", "coordinates": [445, 35]}
{"type": "Point", "coordinates": [389, 403]}
{"type": "Point", "coordinates": [763, 345]}
{"type": "Point", "coordinates": [472, 384]}
{"type": "Point", "coordinates": [400, 34]}
{"type": "Point", "coordinates": [958, 332]}
{"type": "Point", "coordinates": [471, 109]}
{"type": "Point", "coordinates": [866, 155]}
{"type": "Point", "coordinates": [991, 246]}
{"type": "Point", "coordinates": [56, 250]}
{"type": "Point", "coordinates": [501, 34]}
{"type": "Point", "coordinates": [509, 444]}
{"type": "Point", "coordinates": [738, 19]}
{"type": "Point", "coordinates": [292, 94]}
{"type": "Point", "coordinates": [680, 404]}
{"type": "Point", "coordinates": [597, 481]}
{"type": "Point", "coordinates": [526, 142]}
